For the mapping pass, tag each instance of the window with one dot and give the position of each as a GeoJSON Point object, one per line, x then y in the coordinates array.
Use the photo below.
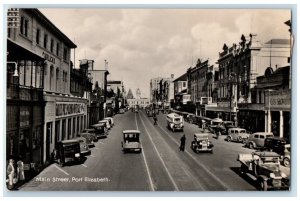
{"type": "Point", "coordinates": [57, 49]}
{"type": "Point", "coordinates": [45, 41]}
{"type": "Point", "coordinates": [184, 84]}
{"type": "Point", "coordinates": [38, 35]}
{"type": "Point", "coordinates": [65, 54]}
{"type": "Point", "coordinates": [24, 26]}
{"type": "Point", "coordinates": [51, 45]}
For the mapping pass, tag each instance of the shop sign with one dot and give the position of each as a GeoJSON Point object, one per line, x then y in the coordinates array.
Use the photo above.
{"type": "Point", "coordinates": [278, 100]}
{"type": "Point", "coordinates": [67, 109]}
{"type": "Point", "coordinates": [48, 57]}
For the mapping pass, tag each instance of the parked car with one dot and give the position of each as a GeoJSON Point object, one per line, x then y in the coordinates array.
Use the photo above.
{"type": "Point", "coordinates": [257, 140]}
{"type": "Point", "coordinates": [89, 138]}
{"type": "Point", "coordinates": [100, 130]}
{"type": "Point", "coordinates": [201, 143]}
{"type": "Point", "coordinates": [91, 131]}
{"type": "Point", "coordinates": [216, 125]}
{"type": "Point", "coordinates": [191, 118]}
{"type": "Point", "coordinates": [111, 121]}
{"type": "Point", "coordinates": [264, 168]}
{"type": "Point", "coordinates": [131, 141]}
{"type": "Point", "coordinates": [237, 135]}
{"type": "Point", "coordinates": [84, 148]}
{"type": "Point", "coordinates": [280, 146]}
{"type": "Point", "coordinates": [228, 125]}
{"type": "Point", "coordinates": [67, 151]}
{"type": "Point", "coordinates": [175, 122]}
{"type": "Point", "coordinates": [286, 158]}
{"type": "Point", "coordinates": [107, 124]}
{"type": "Point", "coordinates": [121, 111]}
{"type": "Point", "coordinates": [150, 113]}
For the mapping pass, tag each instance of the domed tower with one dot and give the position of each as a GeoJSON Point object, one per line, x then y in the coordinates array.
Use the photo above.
{"type": "Point", "coordinates": [138, 93]}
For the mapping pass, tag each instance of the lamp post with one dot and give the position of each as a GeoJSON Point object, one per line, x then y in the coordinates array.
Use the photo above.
{"type": "Point", "coordinates": [269, 111]}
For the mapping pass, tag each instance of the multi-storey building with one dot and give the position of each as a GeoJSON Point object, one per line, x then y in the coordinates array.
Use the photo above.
{"type": "Point", "coordinates": [63, 115]}
{"type": "Point", "coordinates": [154, 89]}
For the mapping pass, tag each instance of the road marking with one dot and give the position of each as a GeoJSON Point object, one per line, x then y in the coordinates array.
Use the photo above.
{"type": "Point", "coordinates": [162, 161]}
{"type": "Point", "coordinates": [147, 167]}
{"type": "Point", "coordinates": [186, 172]}
{"type": "Point", "coordinates": [204, 167]}
{"type": "Point", "coordinates": [61, 170]}
{"type": "Point", "coordinates": [101, 142]}
{"type": "Point", "coordinates": [84, 165]}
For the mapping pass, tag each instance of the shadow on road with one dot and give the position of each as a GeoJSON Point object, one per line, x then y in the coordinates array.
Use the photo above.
{"type": "Point", "coordinates": [237, 170]}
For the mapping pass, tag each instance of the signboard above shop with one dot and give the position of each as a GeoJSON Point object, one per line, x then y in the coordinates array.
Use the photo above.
{"type": "Point", "coordinates": [278, 100]}
{"type": "Point", "coordinates": [68, 109]}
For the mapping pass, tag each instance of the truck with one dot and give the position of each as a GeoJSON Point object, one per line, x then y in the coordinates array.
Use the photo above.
{"type": "Point", "coordinates": [264, 168]}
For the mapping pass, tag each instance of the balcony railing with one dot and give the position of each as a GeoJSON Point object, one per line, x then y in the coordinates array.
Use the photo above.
{"type": "Point", "coordinates": [17, 92]}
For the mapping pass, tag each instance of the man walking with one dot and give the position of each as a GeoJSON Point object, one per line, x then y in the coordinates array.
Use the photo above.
{"type": "Point", "coordinates": [182, 143]}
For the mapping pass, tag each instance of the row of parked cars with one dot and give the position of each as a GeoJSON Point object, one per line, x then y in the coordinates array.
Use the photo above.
{"type": "Point", "coordinates": [73, 150]}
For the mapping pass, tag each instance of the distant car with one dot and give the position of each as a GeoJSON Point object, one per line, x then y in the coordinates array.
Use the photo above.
{"type": "Point", "coordinates": [228, 125]}
{"type": "Point", "coordinates": [107, 124]}
{"type": "Point", "coordinates": [84, 148]}
{"type": "Point", "coordinates": [100, 130]}
{"type": "Point", "coordinates": [131, 141]}
{"type": "Point", "coordinates": [121, 111]}
{"type": "Point", "coordinates": [91, 131]}
{"type": "Point", "coordinates": [111, 121]}
{"type": "Point", "coordinates": [237, 135]}
{"type": "Point", "coordinates": [257, 140]}
{"type": "Point", "coordinates": [201, 143]}
{"type": "Point", "coordinates": [89, 138]}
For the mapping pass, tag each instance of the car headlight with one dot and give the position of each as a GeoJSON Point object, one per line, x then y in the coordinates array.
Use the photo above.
{"type": "Point", "coordinates": [272, 175]}
{"type": "Point", "coordinates": [283, 174]}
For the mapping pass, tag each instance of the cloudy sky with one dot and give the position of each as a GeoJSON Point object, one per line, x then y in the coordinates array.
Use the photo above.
{"type": "Point", "coordinates": [140, 44]}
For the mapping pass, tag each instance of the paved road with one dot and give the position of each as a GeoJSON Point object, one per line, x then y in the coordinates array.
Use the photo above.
{"type": "Point", "coordinates": [160, 166]}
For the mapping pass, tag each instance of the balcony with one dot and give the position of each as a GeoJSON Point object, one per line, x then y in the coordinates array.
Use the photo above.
{"type": "Point", "coordinates": [24, 93]}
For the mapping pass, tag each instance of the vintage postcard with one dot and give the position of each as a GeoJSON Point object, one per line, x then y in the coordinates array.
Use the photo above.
{"type": "Point", "coordinates": [148, 99]}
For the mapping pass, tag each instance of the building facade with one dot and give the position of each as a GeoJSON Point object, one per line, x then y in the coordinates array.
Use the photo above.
{"type": "Point", "coordinates": [140, 103]}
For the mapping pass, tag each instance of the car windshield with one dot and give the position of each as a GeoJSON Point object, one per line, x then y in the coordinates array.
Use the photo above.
{"type": "Point", "coordinates": [177, 119]}
{"type": "Point", "coordinates": [242, 131]}
{"type": "Point", "coordinates": [131, 137]}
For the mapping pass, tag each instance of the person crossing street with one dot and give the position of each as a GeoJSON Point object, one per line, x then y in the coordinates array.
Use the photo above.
{"type": "Point", "coordinates": [182, 143]}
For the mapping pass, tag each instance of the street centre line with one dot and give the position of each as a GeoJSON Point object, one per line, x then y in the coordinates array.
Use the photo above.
{"type": "Point", "coordinates": [84, 165]}
{"type": "Point", "coordinates": [159, 156]}
{"type": "Point", "coordinates": [204, 167]}
{"type": "Point", "coordinates": [61, 170]}
{"type": "Point", "coordinates": [147, 167]}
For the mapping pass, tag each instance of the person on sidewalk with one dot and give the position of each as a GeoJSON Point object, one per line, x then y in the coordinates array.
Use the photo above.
{"type": "Point", "coordinates": [182, 143]}
{"type": "Point", "coordinates": [11, 174]}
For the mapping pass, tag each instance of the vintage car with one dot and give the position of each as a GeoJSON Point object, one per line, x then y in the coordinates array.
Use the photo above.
{"type": "Point", "coordinates": [228, 125]}
{"type": "Point", "coordinates": [257, 140]}
{"type": "Point", "coordinates": [91, 131]}
{"type": "Point", "coordinates": [121, 111]}
{"type": "Point", "coordinates": [67, 151]}
{"type": "Point", "coordinates": [216, 125]}
{"type": "Point", "coordinates": [84, 148]}
{"type": "Point", "coordinates": [131, 141]}
{"type": "Point", "coordinates": [237, 135]}
{"type": "Point", "coordinates": [264, 168]}
{"type": "Point", "coordinates": [279, 145]}
{"type": "Point", "coordinates": [111, 121]}
{"type": "Point", "coordinates": [201, 143]}
{"type": "Point", "coordinates": [175, 122]}
{"type": "Point", "coordinates": [107, 124]}
{"type": "Point", "coordinates": [89, 138]}
{"type": "Point", "coordinates": [100, 129]}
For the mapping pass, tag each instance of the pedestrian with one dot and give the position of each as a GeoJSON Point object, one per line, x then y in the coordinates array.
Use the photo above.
{"type": "Point", "coordinates": [182, 143]}
{"type": "Point", "coordinates": [155, 119]}
{"type": "Point", "coordinates": [20, 170]}
{"type": "Point", "coordinates": [11, 174]}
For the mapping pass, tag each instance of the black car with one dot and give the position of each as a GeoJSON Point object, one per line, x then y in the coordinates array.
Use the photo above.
{"type": "Point", "coordinates": [275, 144]}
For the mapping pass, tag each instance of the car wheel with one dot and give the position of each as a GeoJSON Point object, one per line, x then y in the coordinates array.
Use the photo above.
{"type": "Point", "coordinates": [251, 146]}
{"type": "Point", "coordinates": [229, 139]}
{"type": "Point", "coordinates": [240, 139]}
{"type": "Point", "coordinates": [286, 162]}
{"type": "Point", "coordinates": [262, 184]}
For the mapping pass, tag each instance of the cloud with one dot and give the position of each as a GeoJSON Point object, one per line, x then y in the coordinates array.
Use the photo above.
{"type": "Point", "coordinates": [140, 44]}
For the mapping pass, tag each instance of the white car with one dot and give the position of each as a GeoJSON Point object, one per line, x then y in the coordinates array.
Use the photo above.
{"type": "Point", "coordinates": [111, 121]}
